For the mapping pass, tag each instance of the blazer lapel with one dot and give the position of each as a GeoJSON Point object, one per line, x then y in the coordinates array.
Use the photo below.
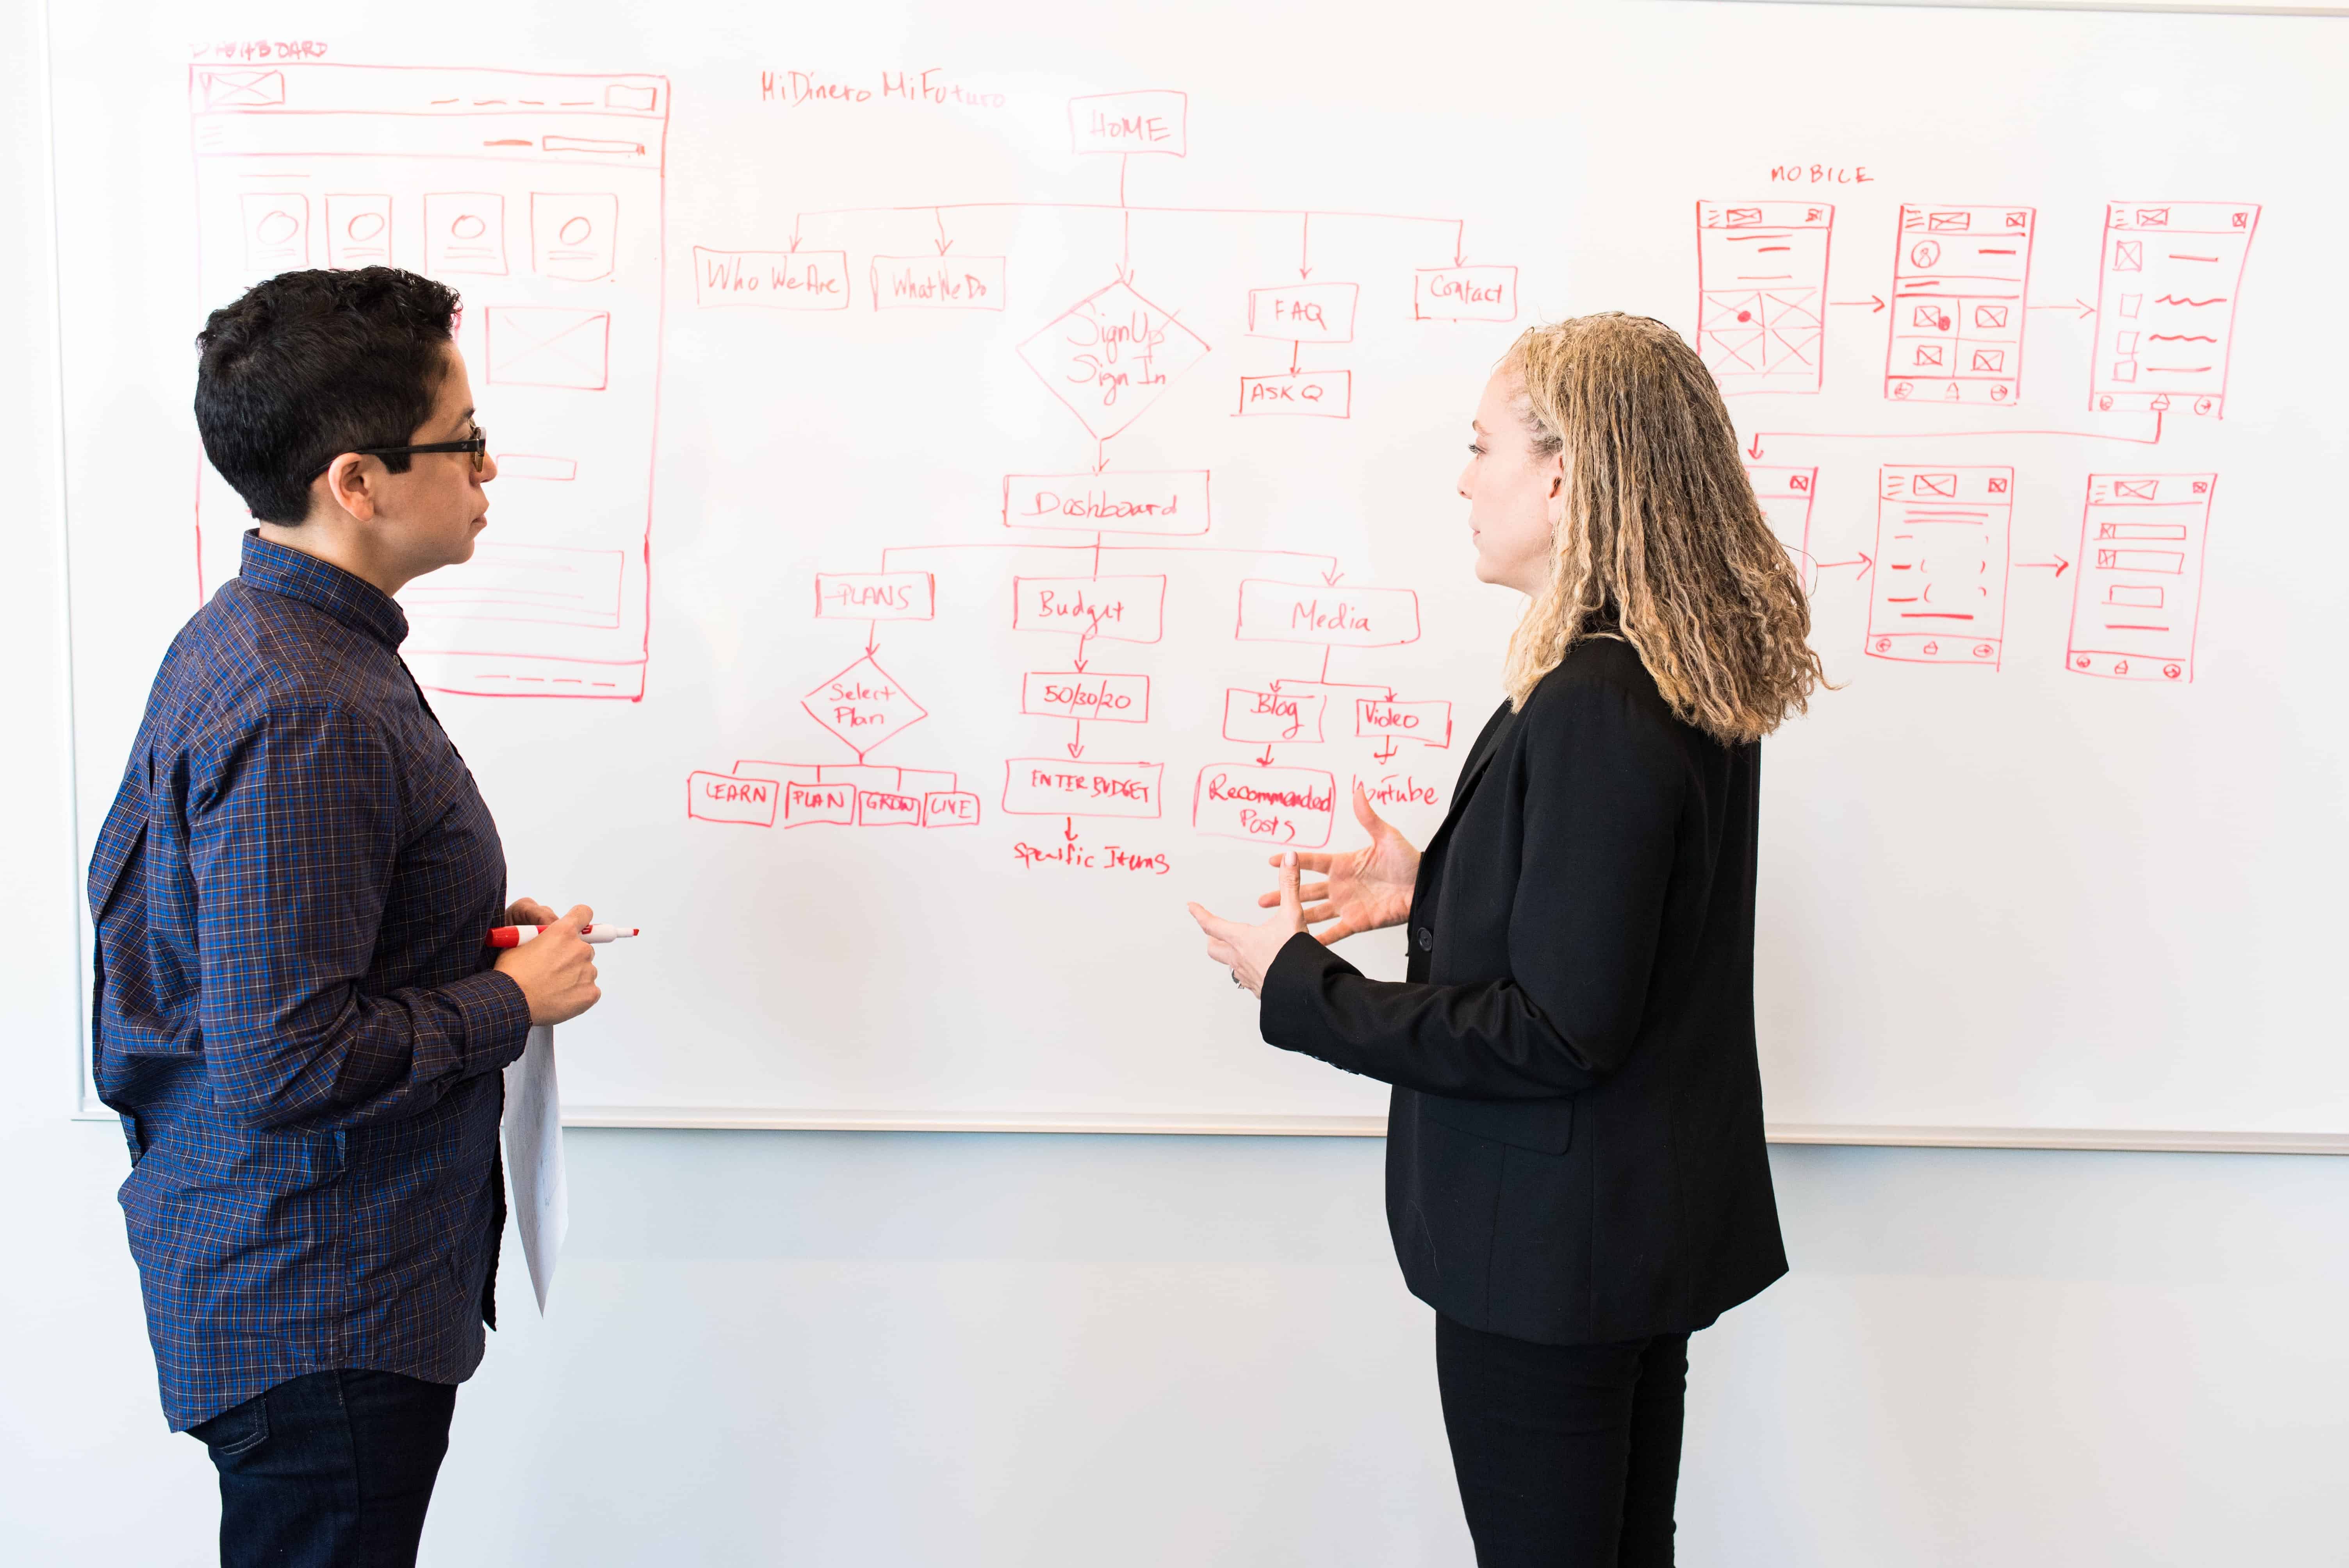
{"type": "Point", "coordinates": [1488, 746]}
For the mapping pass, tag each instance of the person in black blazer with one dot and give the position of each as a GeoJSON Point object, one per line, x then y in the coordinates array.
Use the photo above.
{"type": "Point", "coordinates": [1576, 1179]}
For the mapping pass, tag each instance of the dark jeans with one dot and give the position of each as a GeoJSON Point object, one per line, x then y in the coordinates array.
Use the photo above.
{"type": "Point", "coordinates": [1567, 1455]}
{"type": "Point", "coordinates": [330, 1470]}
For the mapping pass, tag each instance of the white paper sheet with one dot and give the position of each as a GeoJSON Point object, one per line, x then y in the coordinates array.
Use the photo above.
{"type": "Point", "coordinates": [534, 1132]}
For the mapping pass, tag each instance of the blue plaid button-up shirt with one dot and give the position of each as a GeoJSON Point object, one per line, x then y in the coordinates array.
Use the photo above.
{"type": "Point", "coordinates": [295, 1012]}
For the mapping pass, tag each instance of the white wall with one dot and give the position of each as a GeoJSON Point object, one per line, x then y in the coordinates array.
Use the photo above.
{"type": "Point", "coordinates": [921, 1349]}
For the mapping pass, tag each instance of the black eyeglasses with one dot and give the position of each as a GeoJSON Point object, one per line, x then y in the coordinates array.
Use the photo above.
{"type": "Point", "coordinates": [477, 445]}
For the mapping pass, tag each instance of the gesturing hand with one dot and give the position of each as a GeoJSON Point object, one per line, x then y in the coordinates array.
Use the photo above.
{"type": "Point", "coordinates": [555, 969]}
{"type": "Point", "coordinates": [1248, 950]}
{"type": "Point", "coordinates": [1367, 889]}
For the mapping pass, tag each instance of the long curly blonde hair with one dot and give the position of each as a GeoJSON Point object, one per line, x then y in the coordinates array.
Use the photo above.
{"type": "Point", "coordinates": [1661, 541]}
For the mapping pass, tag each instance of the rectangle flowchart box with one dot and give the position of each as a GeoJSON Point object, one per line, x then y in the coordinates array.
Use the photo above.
{"type": "Point", "coordinates": [1160, 501]}
{"type": "Point", "coordinates": [949, 809]}
{"type": "Point", "coordinates": [1304, 312]}
{"type": "Point", "coordinates": [1346, 617]}
{"type": "Point", "coordinates": [1070, 694]}
{"type": "Point", "coordinates": [1056, 787]}
{"type": "Point", "coordinates": [1429, 723]}
{"type": "Point", "coordinates": [1305, 394]}
{"type": "Point", "coordinates": [937, 283]}
{"type": "Point", "coordinates": [1120, 609]}
{"type": "Point", "coordinates": [1264, 805]}
{"type": "Point", "coordinates": [1464, 294]}
{"type": "Point", "coordinates": [1271, 715]}
{"type": "Point", "coordinates": [769, 280]}
{"type": "Point", "coordinates": [875, 595]}
{"type": "Point", "coordinates": [887, 809]}
{"type": "Point", "coordinates": [722, 798]}
{"type": "Point", "coordinates": [808, 803]}
{"type": "Point", "coordinates": [1151, 121]}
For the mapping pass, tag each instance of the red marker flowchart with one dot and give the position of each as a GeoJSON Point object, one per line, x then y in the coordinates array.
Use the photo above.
{"type": "Point", "coordinates": [1145, 536]}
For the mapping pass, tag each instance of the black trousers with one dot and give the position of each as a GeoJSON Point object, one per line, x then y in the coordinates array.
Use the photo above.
{"type": "Point", "coordinates": [1568, 1456]}
{"type": "Point", "coordinates": [330, 1470]}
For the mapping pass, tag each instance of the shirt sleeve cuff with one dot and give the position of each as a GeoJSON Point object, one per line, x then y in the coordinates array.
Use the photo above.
{"type": "Point", "coordinates": [496, 1018]}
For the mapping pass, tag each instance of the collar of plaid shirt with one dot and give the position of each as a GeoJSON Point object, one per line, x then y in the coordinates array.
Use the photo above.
{"type": "Point", "coordinates": [348, 598]}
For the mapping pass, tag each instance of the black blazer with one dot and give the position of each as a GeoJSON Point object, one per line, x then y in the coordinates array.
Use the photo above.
{"type": "Point", "coordinates": [1575, 1150]}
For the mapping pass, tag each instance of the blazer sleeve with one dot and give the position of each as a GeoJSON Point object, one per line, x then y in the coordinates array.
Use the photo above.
{"type": "Point", "coordinates": [1604, 785]}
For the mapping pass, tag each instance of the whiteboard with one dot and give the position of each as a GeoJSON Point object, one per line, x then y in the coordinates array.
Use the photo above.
{"type": "Point", "coordinates": [972, 484]}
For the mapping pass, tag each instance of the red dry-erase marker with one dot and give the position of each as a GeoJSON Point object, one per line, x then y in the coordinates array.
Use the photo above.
{"type": "Point", "coordinates": [515, 935]}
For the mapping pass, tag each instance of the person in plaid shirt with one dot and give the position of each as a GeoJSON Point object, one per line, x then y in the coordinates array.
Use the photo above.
{"type": "Point", "coordinates": [295, 1012]}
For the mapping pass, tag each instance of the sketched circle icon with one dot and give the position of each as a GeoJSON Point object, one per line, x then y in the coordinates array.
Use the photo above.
{"type": "Point", "coordinates": [1883, 644]}
{"type": "Point", "coordinates": [1983, 650]}
{"type": "Point", "coordinates": [365, 226]}
{"type": "Point", "coordinates": [2104, 405]}
{"type": "Point", "coordinates": [275, 229]}
{"type": "Point", "coordinates": [469, 227]}
{"type": "Point", "coordinates": [2120, 666]}
{"type": "Point", "coordinates": [2172, 671]}
{"type": "Point", "coordinates": [1932, 649]}
{"type": "Point", "coordinates": [2204, 405]}
{"type": "Point", "coordinates": [2081, 662]}
{"type": "Point", "coordinates": [1902, 388]}
{"type": "Point", "coordinates": [1998, 393]}
{"type": "Point", "coordinates": [576, 231]}
{"type": "Point", "coordinates": [1925, 253]}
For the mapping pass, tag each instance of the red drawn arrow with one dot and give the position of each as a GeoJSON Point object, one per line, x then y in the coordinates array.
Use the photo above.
{"type": "Point", "coordinates": [1331, 576]}
{"type": "Point", "coordinates": [1081, 651]}
{"type": "Point", "coordinates": [1265, 760]}
{"type": "Point", "coordinates": [1101, 453]}
{"type": "Point", "coordinates": [1459, 238]}
{"type": "Point", "coordinates": [1125, 250]}
{"type": "Point", "coordinates": [944, 243]}
{"type": "Point", "coordinates": [872, 638]}
{"type": "Point", "coordinates": [1875, 303]}
{"type": "Point", "coordinates": [1070, 832]}
{"type": "Point", "coordinates": [1389, 754]}
{"type": "Point", "coordinates": [1863, 561]}
{"type": "Point", "coordinates": [2159, 405]}
{"type": "Point", "coordinates": [1077, 746]}
{"type": "Point", "coordinates": [795, 231]}
{"type": "Point", "coordinates": [1305, 249]}
{"type": "Point", "coordinates": [2059, 563]}
{"type": "Point", "coordinates": [2076, 302]}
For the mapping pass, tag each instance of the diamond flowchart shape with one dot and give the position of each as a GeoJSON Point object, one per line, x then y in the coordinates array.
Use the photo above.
{"type": "Point", "coordinates": [1111, 356]}
{"type": "Point", "coordinates": [863, 706]}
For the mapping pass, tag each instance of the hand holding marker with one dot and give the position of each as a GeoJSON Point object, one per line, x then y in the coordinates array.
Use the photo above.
{"type": "Point", "coordinates": [557, 978]}
{"type": "Point", "coordinates": [515, 935]}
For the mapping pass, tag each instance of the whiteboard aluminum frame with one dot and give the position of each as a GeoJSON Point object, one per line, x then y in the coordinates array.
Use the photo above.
{"type": "Point", "coordinates": [732, 1120]}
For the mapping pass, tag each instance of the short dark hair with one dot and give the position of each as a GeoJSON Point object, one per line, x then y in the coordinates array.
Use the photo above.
{"type": "Point", "coordinates": [308, 365]}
